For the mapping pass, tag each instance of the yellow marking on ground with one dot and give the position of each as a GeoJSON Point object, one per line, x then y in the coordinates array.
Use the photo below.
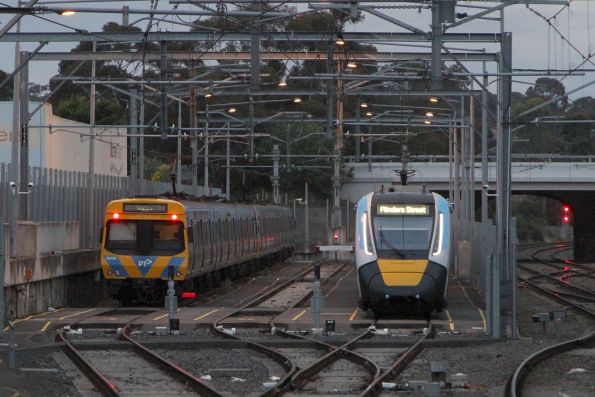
{"type": "Point", "coordinates": [75, 314]}
{"type": "Point", "coordinates": [451, 323]}
{"type": "Point", "coordinates": [483, 318]}
{"type": "Point", "coordinates": [32, 316]}
{"type": "Point", "coordinates": [45, 327]}
{"type": "Point", "coordinates": [18, 320]}
{"type": "Point", "coordinates": [354, 314]}
{"type": "Point", "coordinates": [48, 312]}
{"type": "Point", "coordinates": [206, 314]}
{"type": "Point", "coordinates": [299, 315]}
{"type": "Point", "coordinates": [160, 317]}
{"type": "Point", "coordinates": [338, 282]}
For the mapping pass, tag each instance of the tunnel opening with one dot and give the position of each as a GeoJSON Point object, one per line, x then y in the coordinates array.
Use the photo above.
{"type": "Point", "coordinates": [542, 219]}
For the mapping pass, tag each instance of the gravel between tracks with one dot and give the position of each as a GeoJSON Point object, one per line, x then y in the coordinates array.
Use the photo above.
{"type": "Point", "coordinates": [487, 365]}
{"type": "Point", "coordinates": [234, 371]}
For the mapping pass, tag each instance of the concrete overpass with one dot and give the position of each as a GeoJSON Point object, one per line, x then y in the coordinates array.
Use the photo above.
{"type": "Point", "coordinates": [567, 179]}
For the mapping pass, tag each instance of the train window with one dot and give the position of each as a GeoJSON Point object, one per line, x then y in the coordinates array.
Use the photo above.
{"type": "Point", "coordinates": [404, 236]}
{"type": "Point", "coordinates": [121, 235]}
{"type": "Point", "coordinates": [167, 236]}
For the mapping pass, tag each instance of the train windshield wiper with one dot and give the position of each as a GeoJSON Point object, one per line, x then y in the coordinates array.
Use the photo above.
{"type": "Point", "coordinates": [384, 240]}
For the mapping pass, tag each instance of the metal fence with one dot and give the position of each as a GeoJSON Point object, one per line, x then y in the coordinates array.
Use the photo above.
{"type": "Point", "coordinates": [59, 195]}
{"type": "Point", "coordinates": [319, 222]}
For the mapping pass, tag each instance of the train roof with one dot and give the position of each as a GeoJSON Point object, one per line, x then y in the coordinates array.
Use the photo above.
{"type": "Point", "coordinates": [193, 203]}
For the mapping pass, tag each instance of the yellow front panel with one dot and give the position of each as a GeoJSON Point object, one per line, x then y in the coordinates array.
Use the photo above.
{"type": "Point", "coordinates": [400, 272]}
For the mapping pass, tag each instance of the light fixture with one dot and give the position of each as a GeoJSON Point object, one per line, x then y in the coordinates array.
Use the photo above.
{"type": "Point", "coordinates": [208, 95]}
{"type": "Point", "coordinates": [427, 122]}
{"type": "Point", "coordinates": [429, 114]}
{"type": "Point", "coordinates": [339, 41]}
{"type": "Point", "coordinates": [232, 110]}
{"type": "Point", "coordinates": [297, 100]}
{"type": "Point", "coordinates": [67, 13]}
{"type": "Point", "coordinates": [283, 83]}
{"type": "Point", "coordinates": [434, 99]}
{"type": "Point", "coordinates": [351, 65]}
{"type": "Point", "coordinates": [369, 114]}
{"type": "Point", "coordinates": [363, 105]}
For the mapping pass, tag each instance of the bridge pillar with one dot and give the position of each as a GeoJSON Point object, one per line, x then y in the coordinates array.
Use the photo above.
{"type": "Point", "coordinates": [583, 214]}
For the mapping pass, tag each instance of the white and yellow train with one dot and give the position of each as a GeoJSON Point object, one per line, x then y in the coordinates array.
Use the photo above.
{"type": "Point", "coordinates": [402, 252]}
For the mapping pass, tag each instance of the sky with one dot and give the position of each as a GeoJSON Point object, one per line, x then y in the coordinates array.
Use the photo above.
{"type": "Point", "coordinates": [536, 45]}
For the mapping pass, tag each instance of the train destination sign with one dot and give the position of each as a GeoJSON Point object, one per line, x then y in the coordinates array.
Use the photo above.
{"type": "Point", "coordinates": [157, 208]}
{"type": "Point", "coordinates": [403, 209]}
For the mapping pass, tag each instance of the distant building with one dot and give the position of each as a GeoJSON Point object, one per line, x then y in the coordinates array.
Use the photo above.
{"type": "Point", "coordinates": [65, 148]}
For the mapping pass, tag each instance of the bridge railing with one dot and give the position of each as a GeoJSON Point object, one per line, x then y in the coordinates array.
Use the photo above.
{"type": "Point", "coordinates": [59, 195]}
{"type": "Point", "coordinates": [525, 157]}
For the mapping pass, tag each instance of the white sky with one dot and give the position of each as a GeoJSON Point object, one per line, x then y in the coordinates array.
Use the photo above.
{"type": "Point", "coordinates": [533, 40]}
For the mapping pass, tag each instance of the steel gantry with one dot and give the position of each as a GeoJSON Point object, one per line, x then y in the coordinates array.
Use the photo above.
{"type": "Point", "coordinates": [210, 122]}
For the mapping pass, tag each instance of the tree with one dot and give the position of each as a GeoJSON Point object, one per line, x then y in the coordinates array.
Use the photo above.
{"type": "Point", "coordinates": [6, 91]}
{"type": "Point", "coordinates": [547, 88]}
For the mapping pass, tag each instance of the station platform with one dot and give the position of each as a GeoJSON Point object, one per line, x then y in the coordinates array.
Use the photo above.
{"type": "Point", "coordinates": [339, 304]}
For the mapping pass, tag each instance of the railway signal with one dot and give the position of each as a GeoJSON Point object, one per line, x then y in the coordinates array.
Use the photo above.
{"type": "Point", "coordinates": [565, 214]}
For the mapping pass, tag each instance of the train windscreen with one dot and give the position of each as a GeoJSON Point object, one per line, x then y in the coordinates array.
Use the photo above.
{"type": "Point", "coordinates": [132, 237]}
{"type": "Point", "coordinates": [403, 237]}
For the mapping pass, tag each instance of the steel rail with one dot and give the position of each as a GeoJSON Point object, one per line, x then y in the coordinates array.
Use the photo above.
{"type": "Point", "coordinates": [336, 353]}
{"type": "Point", "coordinates": [554, 279]}
{"type": "Point", "coordinates": [374, 389]}
{"type": "Point", "coordinates": [277, 356]}
{"type": "Point", "coordinates": [176, 371]}
{"type": "Point", "coordinates": [514, 387]}
{"type": "Point", "coordinates": [589, 271]}
{"type": "Point", "coordinates": [104, 385]}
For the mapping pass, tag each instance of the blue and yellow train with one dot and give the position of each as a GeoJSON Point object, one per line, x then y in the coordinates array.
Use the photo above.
{"type": "Point", "coordinates": [402, 251]}
{"type": "Point", "coordinates": [144, 240]}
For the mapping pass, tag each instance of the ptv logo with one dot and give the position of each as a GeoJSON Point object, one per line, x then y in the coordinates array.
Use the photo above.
{"type": "Point", "coordinates": [144, 262]}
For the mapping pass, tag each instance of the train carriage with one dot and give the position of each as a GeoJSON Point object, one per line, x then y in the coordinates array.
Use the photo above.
{"type": "Point", "coordinates": [144, 239]}
{"type": "Point", "coordinates": [402, 251]}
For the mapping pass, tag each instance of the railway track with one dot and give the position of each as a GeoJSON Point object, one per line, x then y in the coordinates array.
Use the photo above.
{"type": "Point", "coordinates": [555, 284]}
{"type": "Point", "coordinates": [127, 367]}
{"type": "Point", "coordinates": [131, 370]}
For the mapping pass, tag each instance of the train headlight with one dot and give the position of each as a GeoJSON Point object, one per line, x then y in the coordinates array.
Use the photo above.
{"type": "Point", "coordinates": [367, 239]}
{"type": "Point", "coordinates": [110, 272]}
{"type": "Point", "coordinates": [437, 249]}
{"type": "Point", "coordinates": [178, 274]}
{"type": "Point", "coordinates": [117, 273]}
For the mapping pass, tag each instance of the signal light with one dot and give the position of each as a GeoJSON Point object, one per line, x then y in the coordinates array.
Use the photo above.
{"type": "Point", "coordinates": [565, 213]}
{"type": "Point", "coordinates": [336, 236]}
{"type": "Point", "coordinates": [188, 295]}
{"type": "Point", "coordinates": [116, 215]}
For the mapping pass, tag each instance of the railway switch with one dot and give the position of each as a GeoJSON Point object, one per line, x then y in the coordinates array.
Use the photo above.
{"type": "Point", "coordinates": [330, 326]}
{"type": "Point", "coordinates": [438, 370]}
{"type": "Point", "coordinates": [541, 318]}
{"type": "Point", "coordinates": [558, 315]}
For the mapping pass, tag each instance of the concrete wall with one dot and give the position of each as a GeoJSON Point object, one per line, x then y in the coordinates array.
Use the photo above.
{"type": "Point", "coordinates": [51, 270]}
{"type": "Point", "coordinates": [58, 236]}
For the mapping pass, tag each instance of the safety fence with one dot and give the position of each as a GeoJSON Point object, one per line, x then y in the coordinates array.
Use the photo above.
{"type": "Point", "coordinates": [320, 229]}
{"type": "Point", "coordinates": [58, 195]}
